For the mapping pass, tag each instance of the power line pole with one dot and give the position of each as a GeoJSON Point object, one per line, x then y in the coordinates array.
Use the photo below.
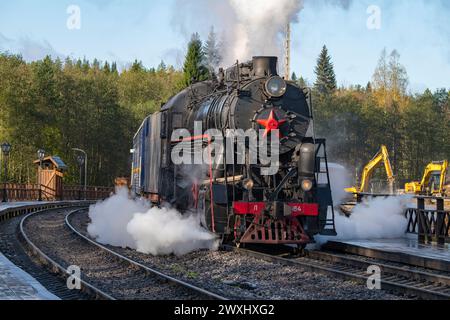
{"type": "Point", "coordinates": [287, 53]}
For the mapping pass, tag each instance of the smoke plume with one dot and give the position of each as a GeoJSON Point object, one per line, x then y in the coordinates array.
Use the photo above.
{"type": "Point", "coordinates": [122, 222]}
{"type": "Point", "coordinates": [248, 27]}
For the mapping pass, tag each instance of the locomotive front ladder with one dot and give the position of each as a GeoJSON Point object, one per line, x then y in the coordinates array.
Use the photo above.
{"type": "Point", "coordinates": [324, 188]}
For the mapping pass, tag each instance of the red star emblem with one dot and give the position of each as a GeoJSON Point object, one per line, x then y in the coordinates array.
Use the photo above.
{"type": "Point", "coordinates": [272, 123]}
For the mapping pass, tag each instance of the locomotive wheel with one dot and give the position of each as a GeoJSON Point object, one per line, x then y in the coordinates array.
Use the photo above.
{"type": "Point", "coordinates": [300, 251]}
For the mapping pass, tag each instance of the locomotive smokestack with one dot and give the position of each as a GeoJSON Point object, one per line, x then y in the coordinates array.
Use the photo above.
{"type": "Point", "coordinates": [265, 66]}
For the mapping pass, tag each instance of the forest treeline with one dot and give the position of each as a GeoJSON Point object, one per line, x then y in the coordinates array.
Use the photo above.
{"type": "Point", "coordinates": [59, 105]}
{"type": "Point", "coordinates": [357, 120]}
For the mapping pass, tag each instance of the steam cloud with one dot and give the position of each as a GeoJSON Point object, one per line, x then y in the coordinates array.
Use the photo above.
{"type": "Point", "coordinates": [376, 218]}
{"type": "Point", "coordinates": [261, 25]}
{"type": "Point", "coordinates": [122, 222]}
{"type": "Point", "coordinates": [248, 27]}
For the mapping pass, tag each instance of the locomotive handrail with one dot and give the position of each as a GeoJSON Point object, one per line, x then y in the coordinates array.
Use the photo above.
{"type": "Point", "coordinates": [290, 174]}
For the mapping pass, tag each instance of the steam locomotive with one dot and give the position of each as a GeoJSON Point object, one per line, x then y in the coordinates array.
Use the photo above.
{"type": "Point", "coordinates": [239, 200]}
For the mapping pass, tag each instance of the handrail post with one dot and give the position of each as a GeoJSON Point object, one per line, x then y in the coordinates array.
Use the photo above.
{"type": "Point", "coordinates": [440, 233]}
{"type": "Point", "coordinates": [40, 193]}
{"type": "Point", "coordinates": [421, 218]}
{"type": "Point", "coordinates": [5, 195]}
{"type": "Point", "coordinates": [359, 198]}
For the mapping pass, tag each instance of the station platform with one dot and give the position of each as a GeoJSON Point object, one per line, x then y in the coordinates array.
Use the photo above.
{"type": "Point", "coordinates": [16, 284]}
{"type": "Point", "coordinates": [406, 250]}
{"type": "Point", "coordinates": [9, 205]}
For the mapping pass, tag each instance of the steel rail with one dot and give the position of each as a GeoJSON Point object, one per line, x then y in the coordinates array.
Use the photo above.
{"type": "Point", "coordinates": [420, 284]}
{"type": "Point", "coordinates": [388, 269]}
{"type": "Point", "coordinates": [90, 289]}
{"type": "Point", "coordinates": [140, 265]}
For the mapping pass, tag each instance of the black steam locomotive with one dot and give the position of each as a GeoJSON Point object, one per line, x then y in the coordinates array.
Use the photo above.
{"type": "Point", "coordinates": [234, 198]}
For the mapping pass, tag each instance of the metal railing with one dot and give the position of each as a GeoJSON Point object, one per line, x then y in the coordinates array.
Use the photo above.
{"type": "Point", "coordinates": [90, 193]}
{"type": "Point", "coordinates": [430, 224]}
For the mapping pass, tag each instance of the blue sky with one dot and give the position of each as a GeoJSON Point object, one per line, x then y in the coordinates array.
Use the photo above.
{"type": "Point", "coordinates": [124, 30]}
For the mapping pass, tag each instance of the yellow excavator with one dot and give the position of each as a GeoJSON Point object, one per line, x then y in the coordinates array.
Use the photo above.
{"type": "Point", "coordinates": [433, 180]}
{"type": "Point", "coordinates": [381, 157]}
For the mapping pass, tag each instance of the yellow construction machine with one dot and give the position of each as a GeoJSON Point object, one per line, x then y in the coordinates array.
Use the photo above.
{"type": "Point", "coordinates": [433, 180]}
{"type": "Point", "coordinates": [381, 157]}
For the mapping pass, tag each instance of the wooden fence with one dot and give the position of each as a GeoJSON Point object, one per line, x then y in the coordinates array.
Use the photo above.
{"type": "Point", "coordinates": [34, 192]}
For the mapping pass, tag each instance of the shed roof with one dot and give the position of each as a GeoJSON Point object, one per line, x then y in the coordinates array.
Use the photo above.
{"type": "Point", "coordinates": [55, 160]}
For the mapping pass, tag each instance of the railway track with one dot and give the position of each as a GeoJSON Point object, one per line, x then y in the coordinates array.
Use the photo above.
{"type": "Point", "coordinates": [415, 283]}
{"type": "Point", "coordinates": [104, 273]}
{"type": "Point", "coordinates": [13, 247]}
{"type": "Point", "coordinates": [56, 238]}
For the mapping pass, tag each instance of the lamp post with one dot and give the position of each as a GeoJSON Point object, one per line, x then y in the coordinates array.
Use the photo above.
{"type": "Point", "coordinates": [41, 156]}
{"type": "Point", "coordinates": [6, 149]}
{"type": "Point", "coordinates": [80, 160]}
{"type": "Point", "coordinates": [85, 168]}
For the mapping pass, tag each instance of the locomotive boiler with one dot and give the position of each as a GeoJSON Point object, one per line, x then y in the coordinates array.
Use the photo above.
{"type": "Point", "coordinates": [287, 201]}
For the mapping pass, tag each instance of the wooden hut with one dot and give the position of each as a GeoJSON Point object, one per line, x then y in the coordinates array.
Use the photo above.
{"type": "Point", "coordinates": [50, 177]}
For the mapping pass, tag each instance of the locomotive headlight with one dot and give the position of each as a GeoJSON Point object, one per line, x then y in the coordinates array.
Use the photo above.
{"type": "Point", "coordinates": [307, 185]}
{"type": "Point", "coordinates": [248, 184]}
{"type": "Point", "coordinates": [275, 87]}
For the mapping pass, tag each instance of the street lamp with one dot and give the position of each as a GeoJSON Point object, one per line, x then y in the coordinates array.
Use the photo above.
{"type": "Point", "coordinates": [85, 168]}
{"type": "Point", "coordinates": [80, 160]}
{"type": "Point", "coordinates": [6, 149]}
{"type": "Point", "coordinates": [41, 156]}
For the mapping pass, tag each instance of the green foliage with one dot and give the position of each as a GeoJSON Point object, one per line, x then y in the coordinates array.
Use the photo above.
{"type": "Point", "coordinates": [356, 125]}
{"type": "Point", "coordinates": [326, 78]}
{"type": "Point", "coordinates": [194, 66]}
{"type": "Point", "coordinates": [77, 104]}
{"type": "Point", "coordinates": [59, 106]}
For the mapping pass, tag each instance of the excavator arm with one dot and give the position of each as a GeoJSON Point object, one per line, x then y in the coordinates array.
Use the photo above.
{"type": "Point", "coordinates": [381, 156]}
{"type": "Point", "coordinates": [444, 171]}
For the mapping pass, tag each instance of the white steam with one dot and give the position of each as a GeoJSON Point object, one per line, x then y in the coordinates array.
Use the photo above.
{"type": "Point", "coordinates": [339, 179]}
{"type": "Point", "coordinates": [375, 218]}
{"type": "Point", "coordinates": [261, 25]}
{"type": "Point", "coordinates": [122, 222]}
{"type": "Point", "coordinates": [247, 27]}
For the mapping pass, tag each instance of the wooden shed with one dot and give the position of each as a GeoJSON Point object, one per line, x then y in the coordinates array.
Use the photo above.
{"type": "Point", "coordinates": [50, 177]}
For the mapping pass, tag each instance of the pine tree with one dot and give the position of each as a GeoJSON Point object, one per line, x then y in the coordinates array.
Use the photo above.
{"type": "Point", "coordinates": [294, 77]}
{"type": "Point", "coordinates": [212, 50]}
{"type": "Point", "coordinates": [137, 66]}
{"type": "Point", "coordinates": [107, 67]}
{"type": "Point", "coordinates": [114, 67]}
{"type": "Point", "coordinates": [326, 78]}
{"type": "Point", "coordinates": [162, 67]}
{"type": "Point", "coordinates": [194, 65]}
{"type": "Point", "coordinates": [302, 83]}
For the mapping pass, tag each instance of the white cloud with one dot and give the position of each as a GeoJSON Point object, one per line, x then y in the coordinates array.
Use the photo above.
{"type": "Point", "coordinates": [29, 49]}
